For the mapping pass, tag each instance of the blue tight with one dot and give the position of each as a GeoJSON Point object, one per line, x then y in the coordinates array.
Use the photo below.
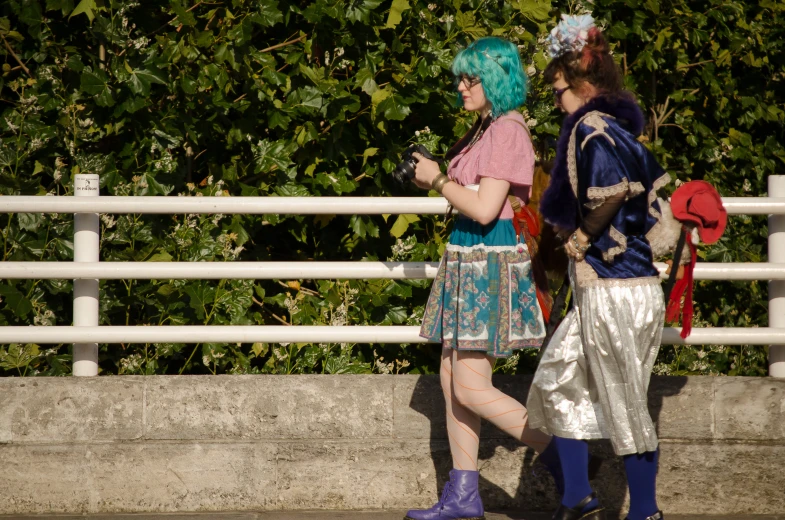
{"type": "Point", "coordinates": [641, 477]}
{"type": "Point", "coordinates": [574, 455]}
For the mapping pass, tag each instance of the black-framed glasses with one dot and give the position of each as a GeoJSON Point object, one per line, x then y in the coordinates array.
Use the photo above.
{"type": "Point", "coordinates": [469, 81]}
{"type": "Point", "coordinates": [558, 93]}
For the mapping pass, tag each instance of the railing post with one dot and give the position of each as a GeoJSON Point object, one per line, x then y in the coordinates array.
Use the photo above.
{"type": "Point", "coordinates": [777, 287]}
{"type": "Point", "coordinates": [86, 246]}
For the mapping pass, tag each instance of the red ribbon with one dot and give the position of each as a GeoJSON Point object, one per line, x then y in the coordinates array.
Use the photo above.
{"type": "Point", "coordinates": [683, 288]}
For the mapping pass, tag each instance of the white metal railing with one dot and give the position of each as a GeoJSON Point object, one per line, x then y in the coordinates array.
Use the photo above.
{"type": "Point", "coordinates": [86, 270]}
{"type": "Point", "coordinates": [308, 270]}
{"type": "Point", "coordinates": [292, 205]}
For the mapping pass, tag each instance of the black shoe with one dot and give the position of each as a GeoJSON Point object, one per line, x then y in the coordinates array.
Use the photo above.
{"type": "Point", "coordinates": [577, 513]}
{"type": "Point", "coordinates": [656, 516]}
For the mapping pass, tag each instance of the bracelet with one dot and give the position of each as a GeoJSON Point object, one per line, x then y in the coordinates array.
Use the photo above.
{"type": "Point", "coordinates": [575, 243]}
{"type": "Point", "coordinates": [438, 184]}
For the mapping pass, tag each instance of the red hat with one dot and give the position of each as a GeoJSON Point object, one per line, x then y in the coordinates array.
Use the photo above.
{"type": "Point", "coordinates": [697, 202]}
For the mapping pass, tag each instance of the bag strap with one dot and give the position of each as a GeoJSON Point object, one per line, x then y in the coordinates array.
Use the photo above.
{"type": "Point", "coordinates": [514, 201]}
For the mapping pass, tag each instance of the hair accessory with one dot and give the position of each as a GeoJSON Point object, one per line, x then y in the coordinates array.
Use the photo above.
{"type": "Point", "coordinates": [570, 35]}
{"type": "Point", "coordinates": [495, 60]}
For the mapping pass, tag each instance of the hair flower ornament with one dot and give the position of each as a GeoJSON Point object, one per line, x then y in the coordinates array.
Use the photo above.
{"type": "Point", "coordinates": [570, 35]}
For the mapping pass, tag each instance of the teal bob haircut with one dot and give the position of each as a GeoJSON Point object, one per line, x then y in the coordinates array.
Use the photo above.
{"type": "Point", "coordinates": [497, 63]}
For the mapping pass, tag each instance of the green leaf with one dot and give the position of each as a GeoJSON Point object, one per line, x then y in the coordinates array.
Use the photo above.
{"type": "Point", "coordinates": [466, 22]}
{"type": "Point", "coordinates": [183, 16]}
{"type": "Point", "coordinates": [363, 225]}
{"type": "Point", "coordinates": [397, 315]}
{"type": "Point", "coordinates": [401, 224]}
{"type": "Point", "coordinates": [260, 349]}
{"type": "Point", "coordinates": [394, 108]}
{"type": "Point", "coordinates": [365, 80]}
{"type": "Point", "coordinates": [396, 12]}
{"type": "Point", "coordinates": [18, 356]}
{"type": "Point", "coordinates": [369, 152]}
{"type": "Point", "coordinates": [15, 301]}
{"type": "Point", "coordinates": [310, 97]}
{"type": "Point", "coordinates": [160, 257]}
{"type": "Point", "coordinates": [96, 84]}
{"type": "Point", "coordinates": [141, 79]}
{"type": "Point", "coordinates": [269, 14]}
{"type": "Point", "coordinates": [535, 10]}
{"type": "Point", "coordinates": [201, 296]}
{"type": "Point", "coordinates": [30, 221]}
{"type": "Point", "coordinates": [87, 7]}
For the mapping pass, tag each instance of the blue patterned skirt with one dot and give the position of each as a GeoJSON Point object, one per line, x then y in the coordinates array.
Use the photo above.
{"type": "Point", "coordinates": [483, 297]}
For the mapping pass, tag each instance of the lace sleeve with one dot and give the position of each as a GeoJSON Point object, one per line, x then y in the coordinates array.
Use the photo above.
{"type": "Point", "coordinates": [598, 219]}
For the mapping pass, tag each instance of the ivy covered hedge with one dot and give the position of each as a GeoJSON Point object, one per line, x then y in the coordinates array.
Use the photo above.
{"type": "Point", "coordinates": [318, 98]}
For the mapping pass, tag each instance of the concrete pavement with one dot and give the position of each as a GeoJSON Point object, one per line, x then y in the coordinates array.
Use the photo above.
{"type": "Point", "coordinates": [336, 515]}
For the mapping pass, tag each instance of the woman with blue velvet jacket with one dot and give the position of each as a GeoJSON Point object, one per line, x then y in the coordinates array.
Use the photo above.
{"type": "Point", "coordinates": [594, 375]}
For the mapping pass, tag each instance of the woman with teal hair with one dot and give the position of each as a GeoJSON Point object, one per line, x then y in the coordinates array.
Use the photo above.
{"type": "Point", "coordinates": [483, 303]}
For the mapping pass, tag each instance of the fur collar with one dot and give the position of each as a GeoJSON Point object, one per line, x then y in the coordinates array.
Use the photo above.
{"type": "Point", "coordinates": [558, 205]}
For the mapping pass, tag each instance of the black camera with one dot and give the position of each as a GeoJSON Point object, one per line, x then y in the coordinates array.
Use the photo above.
{"type": "Point", "coordinates": [404, 172]}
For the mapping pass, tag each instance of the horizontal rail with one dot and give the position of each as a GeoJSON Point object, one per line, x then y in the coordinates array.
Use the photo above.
{"type": "Point", "coordinates": [217, 270]}
{"type": "Point", "coordinates": [732, 271]}
{"type": "Point", "coordinates": [321, 334]}
{"type": "Point", "coordinates": [227, 205]}
{"type": "Point", "coordinates": [306, 270]}
{"type": "Point", "coordinates": [291, 205]}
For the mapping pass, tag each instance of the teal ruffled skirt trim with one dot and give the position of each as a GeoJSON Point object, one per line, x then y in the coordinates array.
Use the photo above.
{"type": "Point", "coordinates": [483, 297]}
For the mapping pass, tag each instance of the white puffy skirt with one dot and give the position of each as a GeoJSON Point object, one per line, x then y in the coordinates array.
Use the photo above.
{"type": "Point", "coordinates": [594, 375]}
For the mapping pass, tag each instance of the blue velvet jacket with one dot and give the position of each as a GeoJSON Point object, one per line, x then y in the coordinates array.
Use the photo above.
{"type": "Point", "coordinates": [598, 156]}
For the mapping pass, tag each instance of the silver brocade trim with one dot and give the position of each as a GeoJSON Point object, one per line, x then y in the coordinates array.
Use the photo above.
{"type": "Point", "coordinates": [598, 196]}
{"type": "Point", "coordinates": [482, 247]}
{"type": "Point", "coordinates": [664, 233]}
{"type": "Point", "coordinates": [620, 239]}
{"type": "Point", "coordinates": [586, 276]}
{"type": "Point", "coordinates": [660, 182]}
{"type": "Point", "coordinates": [636, 188]}
{"type": "Point", "coordinates": [584, 273]}
{"type": "Point", "coordinates": [623, 282]}
{"type": "Point", "coordinates": [594, 120]}
{"type": "Point", "coordinates": [572, 165]}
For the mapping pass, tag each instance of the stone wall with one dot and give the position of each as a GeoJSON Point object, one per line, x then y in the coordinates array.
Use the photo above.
{"type": "Point", "coordinates": [201, 443]}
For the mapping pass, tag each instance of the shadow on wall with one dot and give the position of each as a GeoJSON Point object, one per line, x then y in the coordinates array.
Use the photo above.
{"type": "Point", "coordinates": [534, 489]}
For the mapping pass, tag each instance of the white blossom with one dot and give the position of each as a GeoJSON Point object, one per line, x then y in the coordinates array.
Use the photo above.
{"type": "Point", "coordinates": [140, 43]}
{"type": "Point", "coordinates": [108, 220]}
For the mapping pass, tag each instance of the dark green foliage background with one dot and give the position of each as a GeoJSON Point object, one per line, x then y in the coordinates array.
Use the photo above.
{"type": "Point", "coordinates": [277, 98]}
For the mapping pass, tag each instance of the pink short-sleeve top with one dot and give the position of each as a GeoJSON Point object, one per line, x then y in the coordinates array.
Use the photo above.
{"type": "Point", "coordinates": [503, 152]}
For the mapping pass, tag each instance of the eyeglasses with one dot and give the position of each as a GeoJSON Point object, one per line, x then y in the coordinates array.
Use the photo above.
{"type": "Point", "coordinates": [558, 93]}
{"type": "Point", "coordinates": [469, 81]}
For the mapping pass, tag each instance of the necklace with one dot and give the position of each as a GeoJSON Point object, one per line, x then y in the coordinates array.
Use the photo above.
{"type": "Point", "coordinates": [475, 138]}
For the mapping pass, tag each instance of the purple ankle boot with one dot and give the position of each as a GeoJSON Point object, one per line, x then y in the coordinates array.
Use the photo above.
{"type": "Point", "coordinates": [460, 500]}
